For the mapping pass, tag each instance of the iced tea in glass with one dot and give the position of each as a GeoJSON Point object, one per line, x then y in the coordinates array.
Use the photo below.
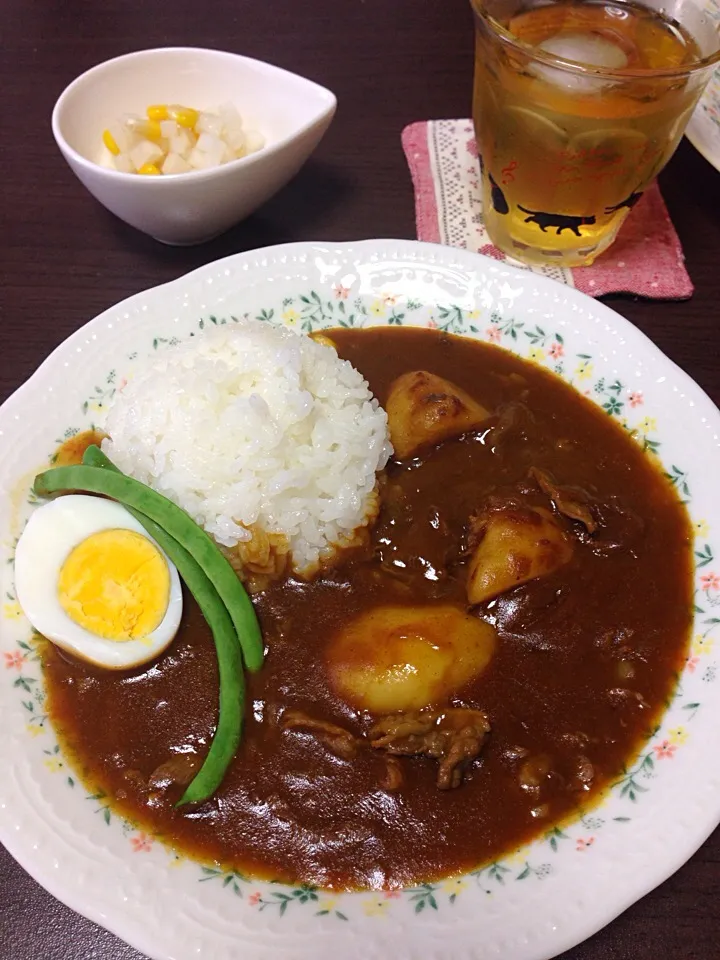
{"type": "Point", "coordinates": [577, 107]}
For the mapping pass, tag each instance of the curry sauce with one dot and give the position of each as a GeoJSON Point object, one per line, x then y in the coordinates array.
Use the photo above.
{"type": "Point", "coordinates": [585, 659]}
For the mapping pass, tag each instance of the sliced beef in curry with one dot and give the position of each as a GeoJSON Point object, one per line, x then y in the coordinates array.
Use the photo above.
{"type": "Point", "coordinates": [342, 744]}
{"type": "Point", "coordinates": [572, 502]}
{"type": "Point", "coordinates": [336, 738]}
{"type": "Point", "coordinates": [605, 524]}
{"type": "Point", "coordinates": [454, 737]}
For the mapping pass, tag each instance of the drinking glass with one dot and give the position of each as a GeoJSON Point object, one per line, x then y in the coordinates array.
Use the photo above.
{"type": "Point", "coordinates": [577, 107]}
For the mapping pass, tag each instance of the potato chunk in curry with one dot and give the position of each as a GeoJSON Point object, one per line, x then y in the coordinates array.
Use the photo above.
{"type": "Point", "coordinates": [395, 658]}
{"type": "Point", "coordinates": [514, 544]}
{"type": "Point", "coordinates": [423, 409]}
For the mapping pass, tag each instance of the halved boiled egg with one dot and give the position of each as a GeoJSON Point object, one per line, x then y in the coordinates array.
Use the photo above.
{"type": "Point", "coordinates": [89, 578]}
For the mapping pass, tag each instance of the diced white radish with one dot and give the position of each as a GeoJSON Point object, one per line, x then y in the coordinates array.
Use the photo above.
{"type": "Point", "coordinates": [121, 136]}
{"type": "Point", "coordinates": [209, 123]}
{"type": "Point", "coordinates": [209, 143]}
{"type": "Point", "coordinates": [254, 141]}
{"type": "Point", "coordinates": [169, 129]}
{"type": "Point", "coordinates": [123, 163]}
{"type": "Point", "coordinates": [214, 159]}
{"type": "Point", "coordinates": [145, 152]}
{"type": "Point", "coordinates": [174, 163]}
{"type": "Point", "coordinates": [236, 140]}
{"type": "Point", "coordinates": [212, 146]}
{"type": "Point", "coordinates": [232, 126]}
{"type": "Point", "coordinates": [181, 143]}
{"type": "Point", "coordinates": [198, 159]}
{"type": "Point", "coordinates": [228, 112]}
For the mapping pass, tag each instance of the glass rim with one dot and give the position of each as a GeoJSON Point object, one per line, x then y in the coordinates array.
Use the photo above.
{"type": "Point", "coordinates": [584, 69]}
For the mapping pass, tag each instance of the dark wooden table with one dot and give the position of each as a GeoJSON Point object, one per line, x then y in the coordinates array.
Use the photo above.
{"type": "Point", "coordinates": [65, 259]}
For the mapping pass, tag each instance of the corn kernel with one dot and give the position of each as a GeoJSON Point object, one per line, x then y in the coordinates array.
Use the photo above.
{"type": "Point", "coordinates": [185, 116]}
{"type": "Point", "coordinates": [149, 170]}
{"type": "Point", "coordinates": [149, 129]}
{"type": "Point", "coordinates": [110, 142]}
{"type": "Point", "coordinates": [158, 111]}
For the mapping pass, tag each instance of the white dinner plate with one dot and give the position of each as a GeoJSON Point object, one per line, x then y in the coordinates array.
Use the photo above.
{"type": "Point", "coordinates": [545, 897]}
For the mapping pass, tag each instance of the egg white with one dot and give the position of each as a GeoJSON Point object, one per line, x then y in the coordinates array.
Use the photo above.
{"type": "Point", "coordinates": [52, 532]}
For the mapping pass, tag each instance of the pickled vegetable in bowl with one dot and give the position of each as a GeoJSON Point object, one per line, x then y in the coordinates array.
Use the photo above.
{"type": "Point", "coordinates": [172, 138]}
{"type": "Point", "coordinates": [290, 112]}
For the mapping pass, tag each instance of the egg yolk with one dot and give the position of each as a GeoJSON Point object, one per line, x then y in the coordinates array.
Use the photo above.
{"type": "Point", "coordinates": [115, 584]}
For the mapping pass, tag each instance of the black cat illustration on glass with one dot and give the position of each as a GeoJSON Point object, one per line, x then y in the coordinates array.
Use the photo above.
{"type": "Point", "coordinates": [500, 204]}
{"type": "Point", "coordinates": [628, 202]}
{"type": "Point", "coordinates": [560, 221]}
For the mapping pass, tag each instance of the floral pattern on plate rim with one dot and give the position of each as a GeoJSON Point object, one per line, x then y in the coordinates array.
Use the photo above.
{"type": "Point", "coordinates": [310, 312]}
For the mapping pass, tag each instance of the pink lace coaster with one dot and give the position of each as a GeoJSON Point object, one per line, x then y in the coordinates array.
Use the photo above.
{"type": "Point", "coordinates": [646, 259]}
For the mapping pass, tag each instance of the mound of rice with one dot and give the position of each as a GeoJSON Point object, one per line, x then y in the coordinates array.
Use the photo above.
{"type": "Point", "coordinates": [256, 431]}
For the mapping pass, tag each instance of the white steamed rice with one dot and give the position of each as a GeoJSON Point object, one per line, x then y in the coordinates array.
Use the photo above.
{"type": "Point", "coordinates": [250, 424]}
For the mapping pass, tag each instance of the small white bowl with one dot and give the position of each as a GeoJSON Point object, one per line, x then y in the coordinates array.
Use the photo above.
{"type": "Point", "coordinates": [291, 112]}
